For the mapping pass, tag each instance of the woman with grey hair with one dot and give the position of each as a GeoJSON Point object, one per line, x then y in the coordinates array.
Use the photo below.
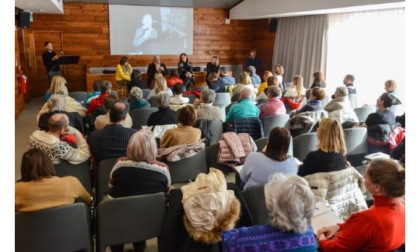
{"type": "Point", "coordinates": [165, 115]}
{"type": "Point", "coordinates": [136, 100]}
{"type": "Point", "coordinates": [340, 107]}
{"type": "Point", "coordinates": [139, 173]}
{"type": "Point", "coordinates": [291, 204]}
{"type": "Point", "coordinates": [205, 108]}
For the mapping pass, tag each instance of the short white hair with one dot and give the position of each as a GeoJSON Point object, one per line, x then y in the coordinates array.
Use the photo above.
{"type": "Point", "coordinates": [57, 102]}
{"type": "Point", "coordinates": [136, 93]}
{"type": "Point", "coordinates": [290, 202]}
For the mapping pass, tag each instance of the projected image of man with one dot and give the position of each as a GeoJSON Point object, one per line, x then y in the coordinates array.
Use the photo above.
{"type": "Point", "coordinates": [144, 33]}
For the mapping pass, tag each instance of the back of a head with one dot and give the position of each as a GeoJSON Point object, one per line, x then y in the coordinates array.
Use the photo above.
{"type": "Point", "coordinates": [318, 76]}
{"type": "Point", "coordinates": [173, 72]}
{"type": "Point", "coordinates": [252, 69]}
{"type": "Point", "coordinates": [160, 84]}
{"type": "Point", "coordinates": [388, 99]}
{"type": "Point", "coordinates": [212, 77]}
{"type": "Point", "coordinates": [244, 78]}
{"type": "Point", "coordinates": [118, 111]}
{"type": "Point", "coordinates": [106, 87]}
{"type": "Point", "coordinates": [57, 102]}
{"type": "Point", "coordinates": [62, 91]}
{"type": "Point", "coordinates": [208, 96]}
{"type": "Point", "coordinates": [278, 144]}
{"type": "Point", "coordinates": [246, 93]}
{"type": "Point", "coordinates": [97, 85]}
{"type": "Point", "coordinates": [136, 75]}
{"type": "Point", "coordinates": [389, 175]}
{"type": "Point", "coordinates": [178, 88]}
{"type": "Point", "coordinates": [390, 86]}
{"type": "Point", "coordinates": [142, 146]}
{"type": "Point", "coordinates": [341, 92]}
{"type": "Point", "coordinates": [290, 201]}
{"type": "Point", "coordinates": [223, 71]}
{"type": "Point", "coordinates": [56, 82]}
{"type": "Point", "coordinates": [57, 122]}
{"type": "Point", "coordinates": [187, 115]}
{"type": "Point", "coordinates": [162, 99]}
{"type": "Point", "coordinates": [274, 91]}
{"type": "Point", "coordinates": [350, 77]}
{"type": "Point", "coordinates": [36, 165]}
{"type": "Point", "coordinates": [267, 74]}
{"type": "Point", "coordinates": [136, 93]}
{"type": "Point", "coordinates": [331, 136]}
{"type": "Point", "coordinates": [272, 80]}
{"type": "Point", "coordinates": [318, 92]}
{"type": "Point", "coordinates": [298, 82]}
{"type": "Point", "coordinates": [109, 100]}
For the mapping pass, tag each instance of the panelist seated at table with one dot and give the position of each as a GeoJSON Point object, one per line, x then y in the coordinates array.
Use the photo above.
{"type": "Point", "coordinates": [291, 204]}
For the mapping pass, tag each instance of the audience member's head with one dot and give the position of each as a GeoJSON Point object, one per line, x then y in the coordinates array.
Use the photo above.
{"type": "Point", "coordinates": [212, 77]}
{"type": "Point", "coordinates": [62, 91]}
{"type": "Point", "coordinates": [162, 99]}
{"type": "Point", "coordinates": [57, 122]}
{"type": "Point", "coordinates": [57, 102]}
{"type": "Point", "coordinates": [386, 177]}
{"type": "Point", "coordinates": [106, 87]}
{"type": "Point", "coordinates": [348, 79]}
{"type": "Point", "coordinates": [390, 86]}
{"type": "Point", "coordinates": [341, 92]}
{"type": "Point", "coordinates": [142, 146]}
{"type": "Point", "coordinates": [290, 202]}
{"type": "Point", "coordinates": [386, 100]}
{"type": "Point", "coordinates": [273, 92]}
{"type": "Point", "coordinates": [278, 69]}
{"type": "Point", "coordinates": [298, 82]}
{"type": "Point", "coordinates": [136, 93]}
{"type": "Point", "coordinates": [178, 88]}
{"type": "Point", "coordinates": [245, 93]}
{"type": "Point", "coordinates": [272, 80]}
{"type": "Point", "coordinates": [118, 111]}
{"type": "Point", "coordinates": [109, 100]}
{"type": "Point", "coordinates": [223, 71]}
{"type": "Point", "coordinates": [278, 144]}
{"type": "Point", "coordinates": [252, 70]}
{"type": "Point", "coordinates": [331, 137]}
{"type": "Point", "coordinates": [56, 82]}
{"type": "Point", "coordinates": [160, 84]}
{"type": "Point", "coordinates": [36, 165]}
{"type": "Point", "coordinates": [267, 74]}
{"type": "Point", "coordinates": [208, 96]}
{"type": "Point", "coordinates": [136, 75]}
{"type": "Point", "coordinates": [245, 79]}
{"type": "Point", "coordinates": [318, 93]}
{"type": "Point", "coordinates": [318, 77]}
{"type": "Point", "coordinates": [173, 72]}
{"type": "Point", "coordinates": [187, 115]}
{"type": "Point", "coordinates": [97, 85]}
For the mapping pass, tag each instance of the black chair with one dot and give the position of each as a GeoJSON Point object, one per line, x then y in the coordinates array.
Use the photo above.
{"type": "Point", "coordinates": [255, 200]}
{"type": "Point", "coordinates": [303, 144]}
{"type": "Point", "coordinates": [102, 178]}
{"type": "Point", "coordinates": [251, 125]}
{"type": "Point", "coordinates": [65, 228]}
{"type": "Point", "coordinates": [153, 102]}
{"type": "Point", "coordinates": [140, 116]}
{"type": "Point", "coordinates": [79, 96]}
{"type": "Point", "coordinates": [187, 169]}
{"type": "Point", "coordinates": [129, 219]}
{"type": "Point", "coordinates": [81, 171]}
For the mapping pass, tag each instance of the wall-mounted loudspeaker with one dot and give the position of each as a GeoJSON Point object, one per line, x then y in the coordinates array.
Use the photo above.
{"type": "Point", "coordinates": [272, 24]}
{"type": "Point", "coordinates": [23, 19]}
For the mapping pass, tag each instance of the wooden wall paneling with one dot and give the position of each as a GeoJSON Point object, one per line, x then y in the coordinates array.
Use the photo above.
{"type": "Point", "coordinates": [85, 32]}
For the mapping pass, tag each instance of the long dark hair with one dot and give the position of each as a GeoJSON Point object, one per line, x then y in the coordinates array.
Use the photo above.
{"type": "Point", "coordinates": [278, 144]}
{"type": "Point", "coordinates": [36, 165]}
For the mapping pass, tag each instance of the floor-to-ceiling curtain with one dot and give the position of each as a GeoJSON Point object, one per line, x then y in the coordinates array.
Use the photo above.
{"type": "Point", "coordinates": [371, 46]}
{"type": "Point", "coordinates": [301, 46]}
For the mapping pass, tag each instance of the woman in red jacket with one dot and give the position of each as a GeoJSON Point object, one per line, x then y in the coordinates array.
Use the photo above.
{"type": "Point", "coordinates": [382, 226]}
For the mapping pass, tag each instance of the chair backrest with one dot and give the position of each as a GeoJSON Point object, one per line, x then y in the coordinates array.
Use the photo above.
{"type": "Point", "coordinates": [146, 92]}
{"type": "Point", "coordinates": [140, 116]}
{"type": "Point", "coordinates": [255, 200]}
{"type": "Point", "coordinates": [397, 109]}
{"type": "Point", "coordinates": [153, 102]}
{"type": "Point", "coordinates": [191, 97]}
{"type": "Point", "coordinates": [325, 101]}
{"type": "Point", "coordinates": [303, 144]}
{"type": "Point", "coordinates": [353, 100]}
{"type": "Point", "coordinates": [129, 219]}
{"type": "Point", "coordinates": [263, 142]}
{"type": "Point", "coordinates": [212, 153]}
{"type": "Point", "coordinates": [269, 122]}
{"type": "Point", "coordinates": [216, 129]}
{"type": "Point", "coordinates": [79, 96]}
{"type": "Point", "coordinates": [81, 171]}
{"type": "Point", "coordinates": [363, 112]}
{"type": "Point", "coordinates": [64, 228]}
{"type": "Point", "coordinates": [222, 100]}
{"type": "Point", "coordinates": [357, 144]}
{"type": "Point", "coordinates": [102, 177]}
{"type": "Point", "coordinates": [187, 169]}
{"type": "Point", "coordinates": [251, 125]}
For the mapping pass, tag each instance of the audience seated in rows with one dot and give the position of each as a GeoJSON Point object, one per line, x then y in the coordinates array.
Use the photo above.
{"type": "Point", "coordinates": [259, 166]}
{"type": "Point", "coordinates": [39, 188]}
{"type": "Point", "coordinates": [71, 104]}
{"type": "Point", "coordinates": [291, 205]}
{"type": "Point", "coordinates": [135, 99]}
{"type": "Point", "coordinates": [205, 108]}
{"type": "Point", "coordinates": [185, 133]}
{"type": "Point", "coordinates": [339, 108]}
{"type": "Point", "coordinates": [165, 115]}
{"type": "Point", "coordinates": [102, 120]}
{"type": "Point", "coordinates": [274, 105]}
{"type": "Point", "coordinates": [138, 173]}
{"type": "Point", "coordinates": [382, 226]}
{"type": "Point", "coordinates": [244, 108]}
{"type": "Point", "coordinates": [52, 143]}
{"type": "Point", "coordinates": [106, 88]}
{"type": "Point", "coordinates": [111, 141]}
{"type": "Point", "coordinates": [160, 86]}
{"type": "Point", "coordinates": [57, 104]}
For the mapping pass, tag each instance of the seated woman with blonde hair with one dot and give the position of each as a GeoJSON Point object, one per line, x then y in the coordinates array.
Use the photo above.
{"type": "Point", "coordinates": [382, 226]}
{"type": "Point", "coordinates": [291, 204]}
{"type": "Point", "coordinates": [160, 85]}
{"type": "Point", "coordinates": [296, 89]}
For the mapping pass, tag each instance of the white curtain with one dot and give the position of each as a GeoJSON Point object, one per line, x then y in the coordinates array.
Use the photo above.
{"type": "Point", "coordinates": [300, 46]}
{"type": "Point", "coordinates": [371, 46]}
